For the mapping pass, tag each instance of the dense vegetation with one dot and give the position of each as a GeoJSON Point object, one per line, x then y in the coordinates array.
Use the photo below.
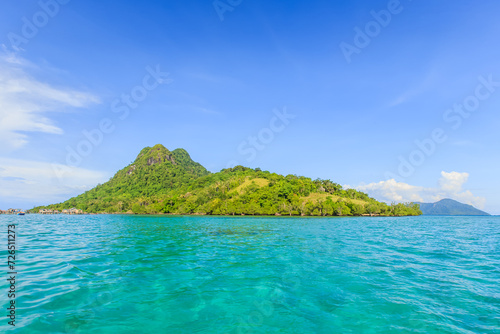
{"type": "Point", "coordinates": [161, 181]}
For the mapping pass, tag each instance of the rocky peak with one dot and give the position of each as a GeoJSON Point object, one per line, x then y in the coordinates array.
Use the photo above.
{"type": "Point", "coordinates": [155, 155]}
{"type": "Point", "coordinates": [159, 157]}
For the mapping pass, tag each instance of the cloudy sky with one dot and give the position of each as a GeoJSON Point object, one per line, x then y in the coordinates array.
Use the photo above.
{"type": "Point", "coordinates": [399, 99]}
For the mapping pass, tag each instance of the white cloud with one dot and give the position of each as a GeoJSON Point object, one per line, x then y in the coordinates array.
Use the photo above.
{"type": "Point", "coordinates": [452, 182]}
{"type": "Point", "coordinates": [33, 181]}
{"type": "Point", "coordinates": [450, 186]}
{"type": "Point", "coordinates": [25, 101]}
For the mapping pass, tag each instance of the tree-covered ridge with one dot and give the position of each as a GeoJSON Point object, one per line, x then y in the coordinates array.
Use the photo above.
{"type": "Point", "coordinates": [154, 172]}
{"type": "Point", "coordinates": [163, 181]}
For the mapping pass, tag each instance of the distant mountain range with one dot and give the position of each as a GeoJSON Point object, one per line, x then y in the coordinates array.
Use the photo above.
{"type": "Point", "coordinates": [449, 207]}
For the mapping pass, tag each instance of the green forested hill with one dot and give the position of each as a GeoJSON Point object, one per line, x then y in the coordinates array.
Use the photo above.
{"type": "Point", "coordinates": [163, 181]}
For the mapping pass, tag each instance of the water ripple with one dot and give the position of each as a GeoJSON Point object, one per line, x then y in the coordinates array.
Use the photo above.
{"type": "Point", "coordinates": [142, 274]}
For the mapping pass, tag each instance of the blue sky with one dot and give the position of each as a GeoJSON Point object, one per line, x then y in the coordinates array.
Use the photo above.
{"type": "Point", "coordinates": [353, 116]}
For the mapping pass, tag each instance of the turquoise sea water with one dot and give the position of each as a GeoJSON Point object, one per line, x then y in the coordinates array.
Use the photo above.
{"type": "Point", "coordinates": [152, 274]}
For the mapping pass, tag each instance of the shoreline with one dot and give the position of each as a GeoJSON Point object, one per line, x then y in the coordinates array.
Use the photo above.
{"type": "Point", "coordinates": [201, 215]}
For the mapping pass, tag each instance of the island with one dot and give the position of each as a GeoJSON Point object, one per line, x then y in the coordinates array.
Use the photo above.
{"type": "Point", "coordinates": [161, 181]}
{"type": "Point", "coordinates": [450, 207]}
